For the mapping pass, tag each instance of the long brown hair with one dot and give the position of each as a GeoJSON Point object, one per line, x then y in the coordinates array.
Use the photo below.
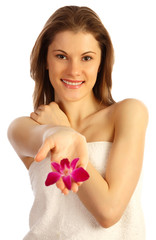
{"type": "Point", "coordinates": [75, 19]}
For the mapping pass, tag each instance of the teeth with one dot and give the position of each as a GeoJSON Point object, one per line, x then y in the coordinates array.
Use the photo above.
{"type": "Point", "coordinates": [72, 83]}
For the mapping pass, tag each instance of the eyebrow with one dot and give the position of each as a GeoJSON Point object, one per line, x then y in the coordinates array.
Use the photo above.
{"type": "Point", "coordinates": [59, 50]}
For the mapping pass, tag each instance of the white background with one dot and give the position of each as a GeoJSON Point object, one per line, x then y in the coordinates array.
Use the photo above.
{"type": "Point", "coordinates": [132, 26]}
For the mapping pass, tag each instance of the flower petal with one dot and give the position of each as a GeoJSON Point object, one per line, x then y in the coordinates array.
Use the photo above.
{"type": "Point", "coordinates": [67, 181]}
{"type": "Point", "coordinates": [52, 178]}
{"type": "Point", "coordinates": [56, 166]}
{"type": "Point", "coordinates": [65, 163]}
{"type": "Point", "coordinates": [74, 162]}
{"type": "Point", "coordinates": [80, 175]}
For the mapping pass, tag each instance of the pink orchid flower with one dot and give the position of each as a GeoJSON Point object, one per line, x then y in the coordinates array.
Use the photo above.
{"type": "Point", "coordinates": [68, 172]}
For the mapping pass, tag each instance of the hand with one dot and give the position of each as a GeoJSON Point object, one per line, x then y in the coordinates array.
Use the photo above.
{"type": "Point", "coordinates": [50, 114]}
{"type": "Point", "coordinates": [64, 142]}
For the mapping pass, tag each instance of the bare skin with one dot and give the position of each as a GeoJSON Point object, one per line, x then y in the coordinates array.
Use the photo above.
{"type": "Point", "coordinates": [75, 119]}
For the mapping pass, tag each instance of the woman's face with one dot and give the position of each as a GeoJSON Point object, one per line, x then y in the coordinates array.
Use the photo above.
{"type": "Point", "coordinates": [73, 62]}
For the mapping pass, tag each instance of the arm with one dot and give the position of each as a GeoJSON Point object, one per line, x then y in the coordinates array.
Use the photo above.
{"type": "Point", "coordinates": [26, 134]}
{"type": "Point", "coordinates": [106, 198]}
{"type": "Point", "coordinates": [50, 114]}
{"type": "Point", "coordinates": [32, 140]}
{"type": "Point", "coordinates": [26, 137]}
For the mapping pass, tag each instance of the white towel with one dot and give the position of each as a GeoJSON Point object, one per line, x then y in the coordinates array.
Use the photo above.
{"type": "Point", "coordinates": [57, 217]}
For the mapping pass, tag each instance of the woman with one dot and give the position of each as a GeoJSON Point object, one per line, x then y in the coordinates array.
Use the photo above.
{"type": "Point", "coordinates": [76, 116]}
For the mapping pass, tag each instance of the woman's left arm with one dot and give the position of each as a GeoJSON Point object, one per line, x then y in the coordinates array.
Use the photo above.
{"type": "Point", "coordinates": [107, 197]}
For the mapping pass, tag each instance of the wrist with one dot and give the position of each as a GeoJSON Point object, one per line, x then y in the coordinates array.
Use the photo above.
{"type": "Point", "coordinates": [51, 130]}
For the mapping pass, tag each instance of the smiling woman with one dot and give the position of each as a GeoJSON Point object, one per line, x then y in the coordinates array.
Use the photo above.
{"type": "Point", "coordinates": [75, 117]}
{"type": "Point", "coordinates": [72, 20]}
{"type": "Point", "coordinates": [73, 61]}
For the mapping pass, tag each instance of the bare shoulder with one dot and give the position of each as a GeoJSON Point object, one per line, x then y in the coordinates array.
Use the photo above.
{"type": "Point", "coordinates": [130, 115]}
{"type": "Point", "coordinates": [131, 102]}
{"type": "Point", "coordinates": [131, 108]}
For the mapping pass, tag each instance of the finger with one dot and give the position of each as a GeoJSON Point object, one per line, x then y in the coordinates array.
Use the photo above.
{"type": "Point", "coordinates": [74, 187]}
{"type": "Point", "coordinates": [44, 150]}
{"type": "Point", "coordinates": [41, 107]}
{"type": "Point", "coordinates": [54, 104]}
{"type": "Point", "coordinates": [65, 191]}
{"type": "Point", "coordinates": [60, 184]}
{"type": "Point", "coordinates": [34, 116]}
{"type": "Point", "coordinates": [38, 111]}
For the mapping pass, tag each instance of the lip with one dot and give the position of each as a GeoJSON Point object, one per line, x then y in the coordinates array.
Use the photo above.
{"type": "Point", "coordinates": [72, 81]}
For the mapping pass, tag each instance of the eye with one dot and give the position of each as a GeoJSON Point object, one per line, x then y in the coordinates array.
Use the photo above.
{"type": "Point", "coordinates": [60, 56]}
{"type": "Point", "coordinates": [86, 58]}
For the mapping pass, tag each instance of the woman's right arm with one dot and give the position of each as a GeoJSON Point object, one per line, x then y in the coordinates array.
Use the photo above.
{"type": "Point", "coordinates": [26, 133]}
{"type": "Point", "coordinates": [26, 137]}
{"type": "Point", "coordinates": [34, 141]}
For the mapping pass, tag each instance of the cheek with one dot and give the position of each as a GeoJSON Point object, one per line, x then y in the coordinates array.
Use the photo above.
{"type": "Point", "coordinates": [56, 69]}
{"type": "Point", "coordinates": [52, 78]}
{"type": "Point", "coordinates": [93, 71]}
{"type": "Point", "coordinates": [53, 71]}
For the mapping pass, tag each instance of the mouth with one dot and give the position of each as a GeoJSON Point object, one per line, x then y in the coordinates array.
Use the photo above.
{"type": "Point", "coordinates": [72, 84]}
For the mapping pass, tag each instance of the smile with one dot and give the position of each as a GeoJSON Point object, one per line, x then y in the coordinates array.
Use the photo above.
{"type": "Point", "coordinates": [72, 83]}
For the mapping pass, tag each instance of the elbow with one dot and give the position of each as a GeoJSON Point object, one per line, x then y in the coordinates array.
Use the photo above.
{"type": "Point", "coordinates": [10, 132]}
{"type": "Point", "coordinates": [107, 223]}
{"type": "Point", "coordinates": [109, 219]}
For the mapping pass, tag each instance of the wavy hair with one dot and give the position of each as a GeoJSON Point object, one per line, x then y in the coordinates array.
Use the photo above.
{"type": "Point", "coordinates": [75, 19]}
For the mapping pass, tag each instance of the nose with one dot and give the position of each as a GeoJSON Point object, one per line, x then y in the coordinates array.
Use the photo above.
{"type": "Point", "coordinates": [74, 68]}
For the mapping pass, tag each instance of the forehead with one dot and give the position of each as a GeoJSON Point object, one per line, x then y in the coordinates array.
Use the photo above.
{"type": "Point", "coordinates": [76, 40]}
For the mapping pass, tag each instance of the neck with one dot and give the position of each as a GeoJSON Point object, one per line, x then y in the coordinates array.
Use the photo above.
{"type": "Point", "coordinates": [78, 111]}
